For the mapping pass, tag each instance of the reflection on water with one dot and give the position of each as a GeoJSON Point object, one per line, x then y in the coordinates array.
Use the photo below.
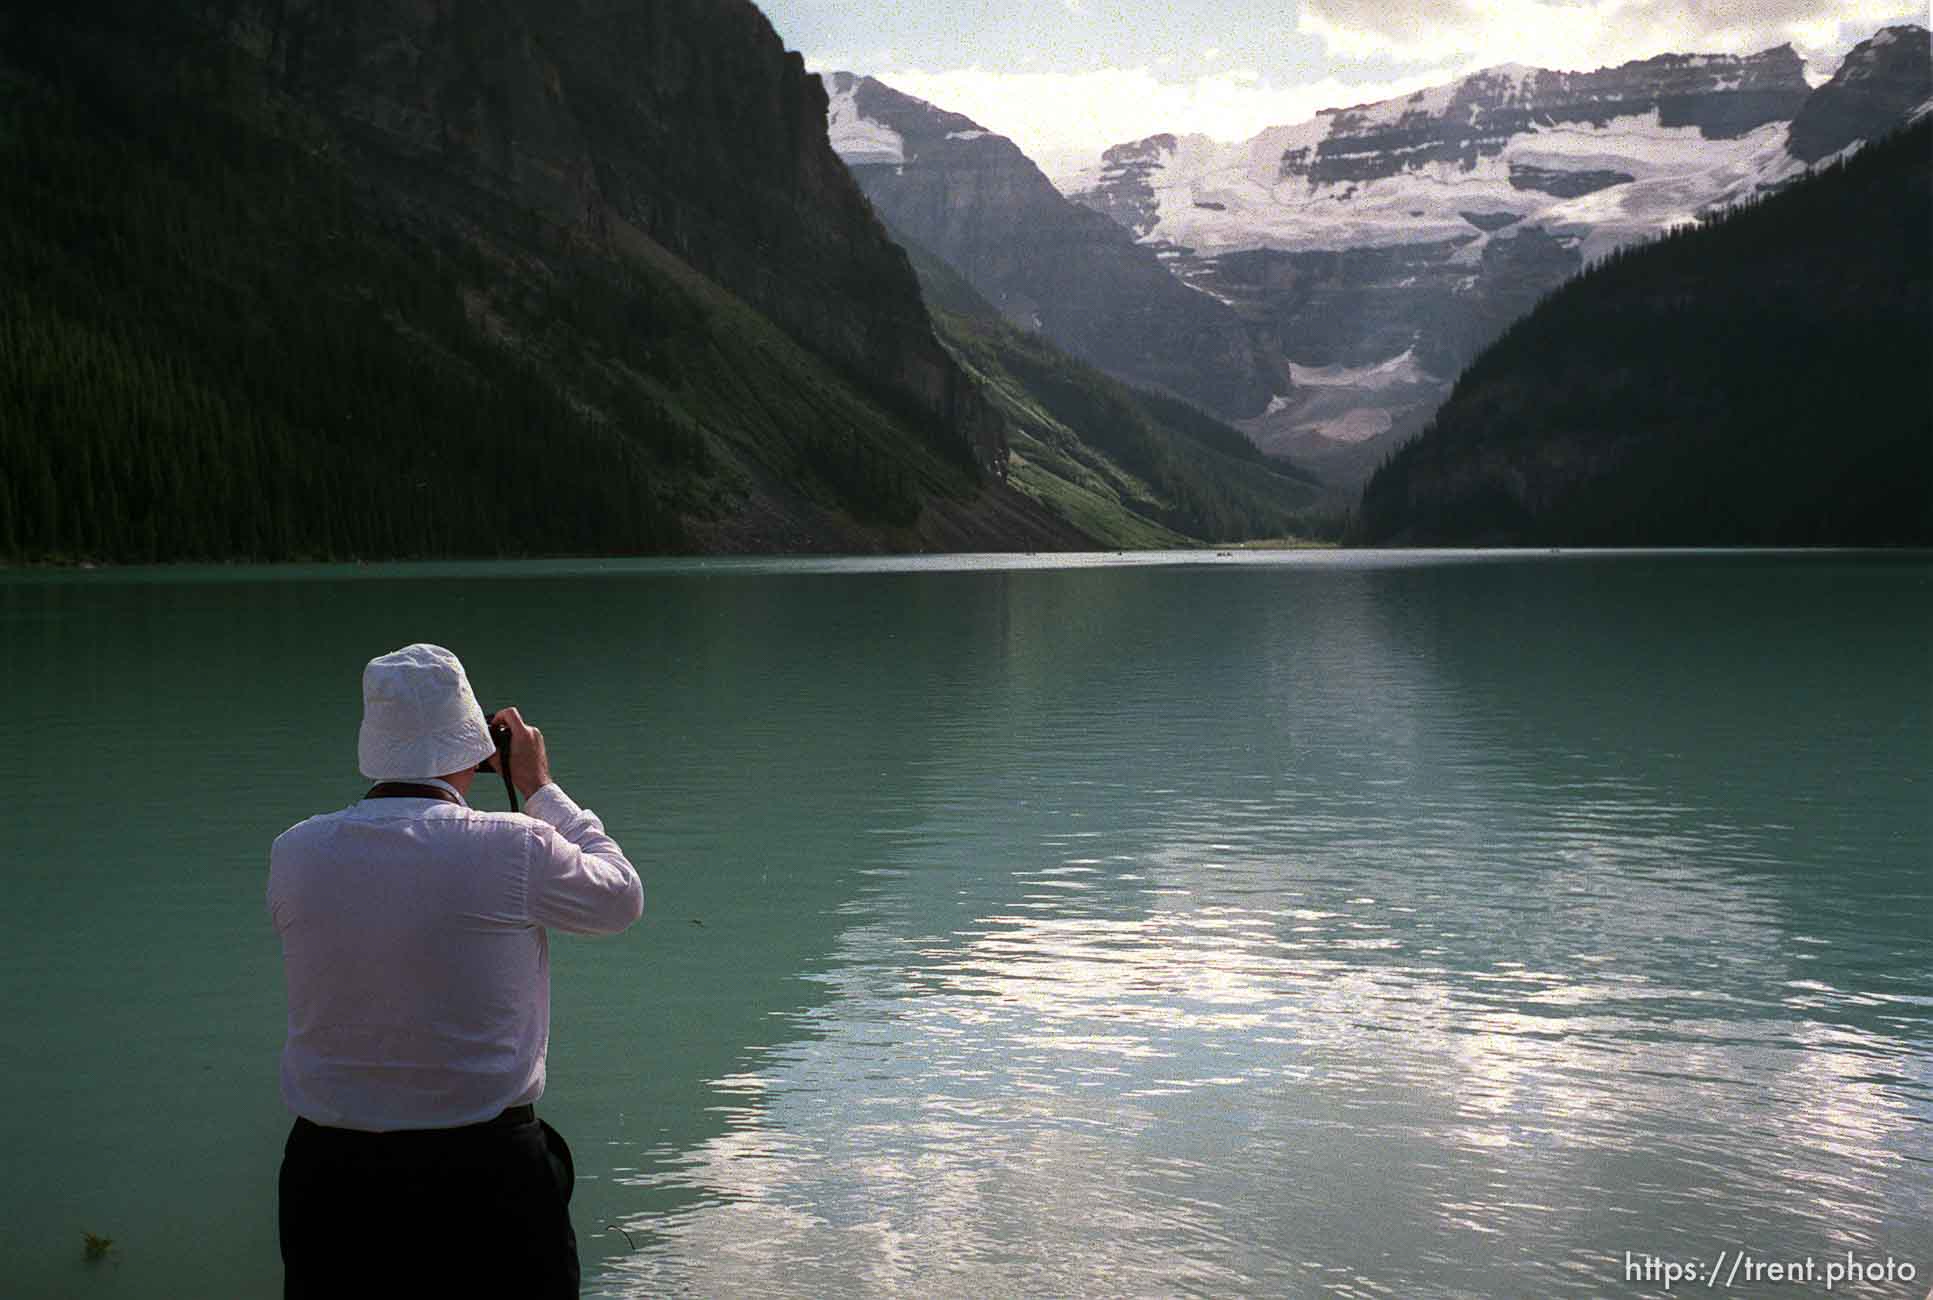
{"type": "Point", "coordinates": [1364, 940]}
{"type": "Point", "coordinates": [1332, 924]}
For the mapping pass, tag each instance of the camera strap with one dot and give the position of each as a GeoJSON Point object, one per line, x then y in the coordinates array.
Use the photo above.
{"type": "Point", "coordinates": [409, 790]}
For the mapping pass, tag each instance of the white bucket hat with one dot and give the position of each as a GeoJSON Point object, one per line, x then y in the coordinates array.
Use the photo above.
{"type": "Point", "coordinates": [419, 716]}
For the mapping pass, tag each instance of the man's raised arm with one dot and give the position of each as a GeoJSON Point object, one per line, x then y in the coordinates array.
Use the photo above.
{"type": "Point", "coordinates": [578, 878]}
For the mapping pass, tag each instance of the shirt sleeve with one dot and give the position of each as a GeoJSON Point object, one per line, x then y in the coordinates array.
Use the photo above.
{"type": "Point", "coordinates": [580, 880]}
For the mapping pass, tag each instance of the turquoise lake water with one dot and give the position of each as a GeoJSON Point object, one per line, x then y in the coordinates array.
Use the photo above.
{"type": "Point", "coordinates": [1354, 924]}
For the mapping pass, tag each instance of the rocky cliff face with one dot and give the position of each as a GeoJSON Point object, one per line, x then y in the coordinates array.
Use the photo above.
{"type": "Point", "coordinates": [1125, 191]}
{"type": "Point", "coordinates": [682, 122]}
{"type": "Point", "coordinates": [1383, 245]}
{"type": "Point", "coordinates": [975, 200]}
{"type": "Point", "coordinates": [1881, 82]}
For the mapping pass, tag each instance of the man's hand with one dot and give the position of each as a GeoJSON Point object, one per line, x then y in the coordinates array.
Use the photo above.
{"type": "Point", "coordinates": [529, 760]}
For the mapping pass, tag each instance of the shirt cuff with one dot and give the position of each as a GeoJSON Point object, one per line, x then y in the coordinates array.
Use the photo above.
{"type": "Point", "coordinates": [549, 803]}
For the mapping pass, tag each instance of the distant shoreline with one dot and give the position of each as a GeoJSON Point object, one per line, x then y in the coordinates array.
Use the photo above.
{"type": "Point", "coordinates": [910, 561]}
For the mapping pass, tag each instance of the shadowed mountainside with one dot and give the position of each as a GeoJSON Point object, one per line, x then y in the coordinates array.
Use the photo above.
{"type": "Point", "coordinates": [1881, 83]}
{"type": "Point", "coordinates": [468, 277]}
{"type": "Point", "coordinates": [973, 198]}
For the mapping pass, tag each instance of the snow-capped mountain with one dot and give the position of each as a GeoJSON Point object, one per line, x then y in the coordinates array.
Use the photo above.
{"type": "Point", "coordinates": [1385, 244]}
{"type": "Point", "coordinates": [972, 198]}
{"type": "Point", "coordinates": [1490, 150]}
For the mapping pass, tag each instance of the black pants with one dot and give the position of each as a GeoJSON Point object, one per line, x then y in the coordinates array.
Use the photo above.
{"type": "Point", "coordinates": [479, 1211]}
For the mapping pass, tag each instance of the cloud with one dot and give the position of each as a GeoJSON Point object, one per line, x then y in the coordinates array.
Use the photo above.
{"type": "Point", "coordinates": [1063, 120]}
{"type": "Point", "coordinates": [1583, 34]}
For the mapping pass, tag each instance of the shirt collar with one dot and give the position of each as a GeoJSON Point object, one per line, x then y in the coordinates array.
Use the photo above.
{"type": "Point", "coordinates": [441, 785]}
{"type": "Point", "coordinates": [445, 785]}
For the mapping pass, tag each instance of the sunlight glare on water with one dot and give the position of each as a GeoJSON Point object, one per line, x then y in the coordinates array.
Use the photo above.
{"type": "Point", "coordinates": [1294, 962]}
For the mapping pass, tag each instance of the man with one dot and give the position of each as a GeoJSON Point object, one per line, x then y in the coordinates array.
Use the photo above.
{"type": "Point", "coordinates": [415, 947]}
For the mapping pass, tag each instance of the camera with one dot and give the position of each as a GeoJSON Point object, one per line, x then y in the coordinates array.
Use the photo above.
{"type": "Point", "coordinates": [500, 735]}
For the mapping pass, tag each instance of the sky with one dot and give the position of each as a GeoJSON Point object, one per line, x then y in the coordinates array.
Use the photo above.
{"type": "Point", "coordinates": [1067, 78]}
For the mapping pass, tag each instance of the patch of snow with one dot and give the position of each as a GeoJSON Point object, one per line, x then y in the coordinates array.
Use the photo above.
{"type": "Point", "coordinates": [1277, 404]}
{"type": "Point", "coordinates": [1839, 156]}
{"type": "Point", "coordinates": [1384, 374]}
{"type": "Point", "coordinates": [1639, 138]}
{"type": "Point", "coordinates": [1205, 291]}
{"type": "Point", "coordinates": [1516, 76]}
{"type": "Point", "coordinates": [1358, 424]}
{"type": "Point", "coordinates": [966, 135]}
{"type": "Point", "coordinates": [1676, 173]}
{"type": "Point", "coordinates": [1673, 186]}
{"type": "Point", "coordinates": [1078, 181]}
{"type": "Point", "coordinates": [858, 139]}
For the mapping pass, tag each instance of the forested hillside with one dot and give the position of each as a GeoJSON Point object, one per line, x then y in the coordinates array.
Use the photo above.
{"type": "Point", "coordinates": [1759, 379]}
{"type": "Point", "coordinates": [237, 321]}
{"type": "Point", "coordinates": [206, 351]}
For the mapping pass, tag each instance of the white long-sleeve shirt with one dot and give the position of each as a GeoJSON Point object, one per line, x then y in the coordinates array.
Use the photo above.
{"type": "Point", "coordinates": [415, 949]}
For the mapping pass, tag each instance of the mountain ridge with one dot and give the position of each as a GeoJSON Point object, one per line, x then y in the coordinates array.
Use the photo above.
{"type": "Point", "coordinates": [1882, 81]}
{"type": "Point", "coordinates": [1420, 226]}
{"type": "Point", "coordinates": [973, 198]}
